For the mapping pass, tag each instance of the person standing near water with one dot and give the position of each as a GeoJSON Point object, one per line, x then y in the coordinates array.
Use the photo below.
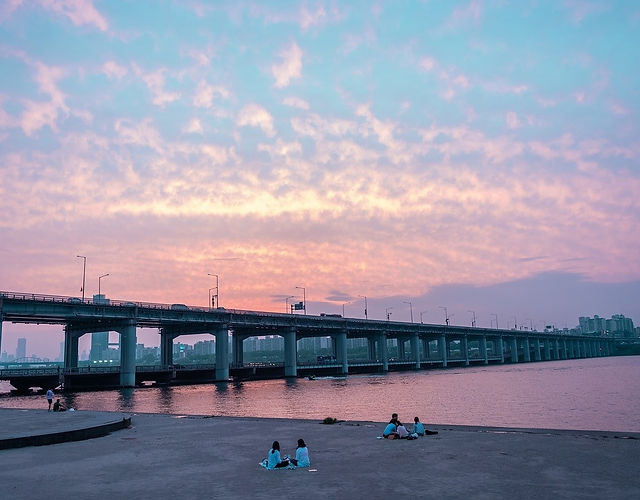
{"type": "Point", "coordinates": [50, 398]}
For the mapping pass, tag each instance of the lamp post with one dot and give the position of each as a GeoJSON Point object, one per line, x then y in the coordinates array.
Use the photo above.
{"type": "Point", "coordinates": [387, 312]}
{"type": "Point", "coordinates": [344, 304]}
{"type": "Point", "coordinates": [473, 321]}
{"type": "Point", "coordinates": [410, 308]}
{"type": "Point", "coordinates": [99, 278]}
{"type": "Point", "coordinates": [286, 303]}
{"type": "Point", "coordinates": [365, 305]}
{"type": "Point", "coordinates": [446, 315]}
{"type": "Point", "coordinates": [215, 299]}
{"type": "Point", "coordinates": [304, 298]}
{"type": "Point", "coordinates": [421, 313]}
{"type": "Point", "coordinates": [84, 272]}
{"type": "Point", "coordinates": [494, 314]}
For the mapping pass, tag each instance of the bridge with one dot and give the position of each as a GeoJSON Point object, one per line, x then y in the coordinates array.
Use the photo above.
{"type": "Point", "coordinates": [419, 345]}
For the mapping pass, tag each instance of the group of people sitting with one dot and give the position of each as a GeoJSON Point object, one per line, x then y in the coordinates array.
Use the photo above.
{"type": "Point", "coordinates": [275, 461]}
{"type": "Point", "coordinates": [396, 430]}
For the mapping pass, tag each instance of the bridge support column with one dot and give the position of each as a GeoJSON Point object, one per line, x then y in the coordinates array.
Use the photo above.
{"type": "Point", "coordinates": [341, 351]}
{"type": "Point", "coordinates": [1, 325]}
{"type": "Point", "coordinates": [415, 351]}
{"type": "Point", "coordinates": [425, 349]}
{"type": "Point", "coordinates": [128, 343]}
{"type": "Point", "coordinates": [483, 349]}
{"type": "Point", "coordinates": [501, 348]}
{"type": "Point", "coordinates": [290, 353]}
{"type": "Point", "coordinates": [442, 345]}
{"type": "Point", "coordinates": [71, 347]}
{"type": "Point", "coordinates": [222, 353]}
{"type": "Point", "coordinates": [371, 343]}
{"type": "Point", "coordinates": [166, 347]}
{"type": "Point", "coordinates": [556, 349]}
{"type": "Point", "coordinates": [527, 350]}
{"type": "Point", "coordinates": [537, 349]}
{"type": "Point", "coordinates": [514, 350]}
{"type": "Point", "coordinates": [238, 349]}
{"type": "Point", "coordinates": [464, 345]}
{"type": "Point", "coordinates": [565, 349]}
{"type": "Point", "coordinates": [401, 351]}
{"type": "Point", "coordinates": [572, 349]}
{"type": "Point", "coordinates": [383, 352]}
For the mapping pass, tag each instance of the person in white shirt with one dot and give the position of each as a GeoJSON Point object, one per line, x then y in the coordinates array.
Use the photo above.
{"type": "Point", "coordinates": [50, 398]}
{"type": "Point", "coordinates": [302, 455]}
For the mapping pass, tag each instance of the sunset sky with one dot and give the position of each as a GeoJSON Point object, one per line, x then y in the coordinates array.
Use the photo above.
{"type": "Point", "coordinates": [475, 155]}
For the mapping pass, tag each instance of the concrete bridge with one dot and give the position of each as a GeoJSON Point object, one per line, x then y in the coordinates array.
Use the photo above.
{"type": "Point", "coordinates": [419, 345]}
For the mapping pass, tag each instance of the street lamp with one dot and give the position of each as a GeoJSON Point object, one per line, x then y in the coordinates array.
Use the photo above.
{"type": "Point", "coordinates": [494, 314]}
{"type": "Point", "coordinates": [215, 298]}
{"type": "Point", "coordinates": [365, 305]}
{"type": "Point", "coordinates": [473, 321]}
{"type": "Point", "coordinates": [84, 273]}
{"type": "Point", "coordinates": [344, 304]}
{"type": "Point", "coordinates": [421, 313]}
{"type": "Point", "coordinates": [446, 314]}
{"type": "Point", "coordinates": [410, 308]}
{"type": "Point", "coordinates": [388, 313]}
{"type": "Point", "coordinates": [99, 278]}
{"type": "Point", "coordinates": [304, 298]}
{"type": "Point", "coordinates": [286, 303]}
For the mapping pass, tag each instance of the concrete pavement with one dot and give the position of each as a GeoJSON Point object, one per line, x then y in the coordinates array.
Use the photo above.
{"type": "Point", "coordinates": [193, 457]}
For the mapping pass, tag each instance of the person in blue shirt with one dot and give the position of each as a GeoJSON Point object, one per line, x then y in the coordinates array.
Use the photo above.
{"type": "Point", "coordinates": [273, 457]}
{"type": "Point", "coordinates": [302, 455]}
{"type": "Point", "coordinates": [419, 429]}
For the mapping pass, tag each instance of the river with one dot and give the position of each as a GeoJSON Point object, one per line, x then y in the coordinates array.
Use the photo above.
{"type": "Point", "coordinates": [595, 393]}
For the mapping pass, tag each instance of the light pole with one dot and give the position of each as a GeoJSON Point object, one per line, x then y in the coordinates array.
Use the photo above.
{"type": "Point", "coordinates": [410, 308]}
{"type": "Point", "coordinates": [304, 298]}
{"type": "Point", "coordinates": [344, 304]}
{"type": "Point", "coordinates": [215, 299]}
{"type": "Point", "coordinates": [388, 313]}
{"type": "Point", "coordinates": [473, 321]}
{"type": "Point", "coordinates": [365, 305]}
{"type": "Point", "coordinates": [446, 315]}
{"type": "Point", "coordinates": [286, 303]}
{"type": "Point", "coordinates": [421, 313]}
{"type": "Point", "coordinates": [84, 272]}
{"type": "Point", "coordinates": [515, 323]}
{"type": "Point", "coordinates": [494, 314]}
{"type": "Point", "coordinates": [99, 278]}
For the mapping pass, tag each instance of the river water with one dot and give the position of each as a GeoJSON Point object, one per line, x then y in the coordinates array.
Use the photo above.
{"type": "Point", "coordinates": [596, 393]}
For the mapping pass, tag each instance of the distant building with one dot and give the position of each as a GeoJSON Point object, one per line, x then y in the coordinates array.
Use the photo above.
{"type": "Point", "coordinates": [617, 326]}
{"type": "Point", "coordinates": [21, 350]}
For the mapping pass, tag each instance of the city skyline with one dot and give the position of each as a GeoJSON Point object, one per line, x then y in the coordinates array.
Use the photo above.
{"type": "Point", "coordinates": [473, 155]}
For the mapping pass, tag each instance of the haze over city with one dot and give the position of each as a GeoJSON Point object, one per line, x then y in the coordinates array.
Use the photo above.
{"type": "Point", "coordinates": [476, 155]}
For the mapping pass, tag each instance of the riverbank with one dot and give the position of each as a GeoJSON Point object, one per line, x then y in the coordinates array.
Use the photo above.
{"type": "Point", "coordinates": [217, 457]}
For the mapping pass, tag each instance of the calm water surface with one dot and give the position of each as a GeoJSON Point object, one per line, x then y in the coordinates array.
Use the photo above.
{"type": "Point", "coordinates": [601, 394]}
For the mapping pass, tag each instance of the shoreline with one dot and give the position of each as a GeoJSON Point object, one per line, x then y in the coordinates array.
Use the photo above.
{"type": "Point", "coordinates": [205, 456]}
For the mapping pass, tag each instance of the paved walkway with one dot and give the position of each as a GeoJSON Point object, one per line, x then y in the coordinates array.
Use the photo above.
{"type": "Point", "coordinates": [217, 457]}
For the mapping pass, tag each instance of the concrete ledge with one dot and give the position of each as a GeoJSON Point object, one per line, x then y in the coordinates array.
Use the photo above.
{"type": "Point", "coordinates": [65, 435]}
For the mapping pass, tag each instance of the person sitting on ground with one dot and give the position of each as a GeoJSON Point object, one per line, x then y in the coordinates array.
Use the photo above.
{"type": "Point", "coordinates": [302, 455]}
{"type": "Point", "coordinates": [402, 431]}
{"type": "Point", "coordinates": [390, 431]}
{"type": "Point", "coordinates": [273, 457]}
{"type": "Point", "coordinates": [419, 429]}
{"type": "Point", "coordinates": [58, 406]}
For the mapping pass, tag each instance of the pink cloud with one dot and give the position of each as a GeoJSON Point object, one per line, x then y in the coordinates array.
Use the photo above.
{"type": "Point", "coordinates": [113, 70]}
{"type": "Point", "coordinates": [155, 83]}
{"type": "Point", "coordinates": [80, 12]}
{"type": "Point", "coordinates": [512, 120]}
{"type": "Point", "coordinates": [290, 66]}
{"type": "Point", "coordinates": [254, 115]}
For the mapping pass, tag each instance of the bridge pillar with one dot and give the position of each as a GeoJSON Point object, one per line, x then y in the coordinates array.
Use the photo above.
{"type": "Point", "coordinates": [166, 347]}
{"type": "Point", "coordinates": [383, 354]}
{"type": "Point", "coordinates": [401, 351]}
{"type": "Point", "coordinates": [290, 353]}
{"type": "Point", "coordinates": [425, 348]}
{"type": "Point", "coordinates": [556, 349]}
{"type": "Point", "coordinates": [573, 349]}
{"type": "Point", "coordinates": [501, 348]}
{"type": "Point", "coordinates": [71, 347]}
{"type": "Point", "coordinates": [565, 351]}
{"type": "Point", "coordinates": [371, 343]}
{"type": "Point", "coordinates": [464, 345]}
{"type": "Point", "coordinates": [483, 349]}
{"type": "Point", "coordinates": [514, 350]}
{"type": "Point", "coordinates": [527, 350]}
{"type": "Point", "coordinates": [537, 352]}
{"type": "Point", "coordinates": [415, 351]}
{"type": "Point", "coordinates": [238, 349]}
{"type": "Point", "coordinates": [128, 343]}
{"type": "Point", "coordinates": [341, 351]}
{"type": "Point", "coordinates": [222, 352]}
{"type": "Point", "coordinates": [1, 324]}
{"type": "Point", "coordinates": [442, 345]}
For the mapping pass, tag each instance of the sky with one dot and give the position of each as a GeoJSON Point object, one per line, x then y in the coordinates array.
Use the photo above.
{"type": "Point", "coordinates": [475, 155]}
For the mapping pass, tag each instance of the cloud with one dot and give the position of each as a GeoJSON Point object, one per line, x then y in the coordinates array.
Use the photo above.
{"type": "Point", "coordinates": [512, 120]}
{"type": "Point", "coordinates": [471, 12]}
{"type": "Point", "coordinates": [80, 12]}
{"type": "Point", "coordinates": [8, 7]}
{"type": "Point", "coordinates": [618, 109]}
{"type": "Point", "coordinates": [205, 94]}
{"type": "Point", "coordinates": [139, 134]}
{"type": "Point", "coordinates": [193, 127]}
{"type": "Point", "coordinates": [296, 102]}
{"type": "Point", "coordinates": [155, 83]}
{"type": "Point", "coordinates": [290, 67]}
{"type": "Point", "coordinates": [113, 70]}
{"type": "Point", "coordinates": [38, 114]}
{"type": "Point", "coordinates": [254, 115]}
